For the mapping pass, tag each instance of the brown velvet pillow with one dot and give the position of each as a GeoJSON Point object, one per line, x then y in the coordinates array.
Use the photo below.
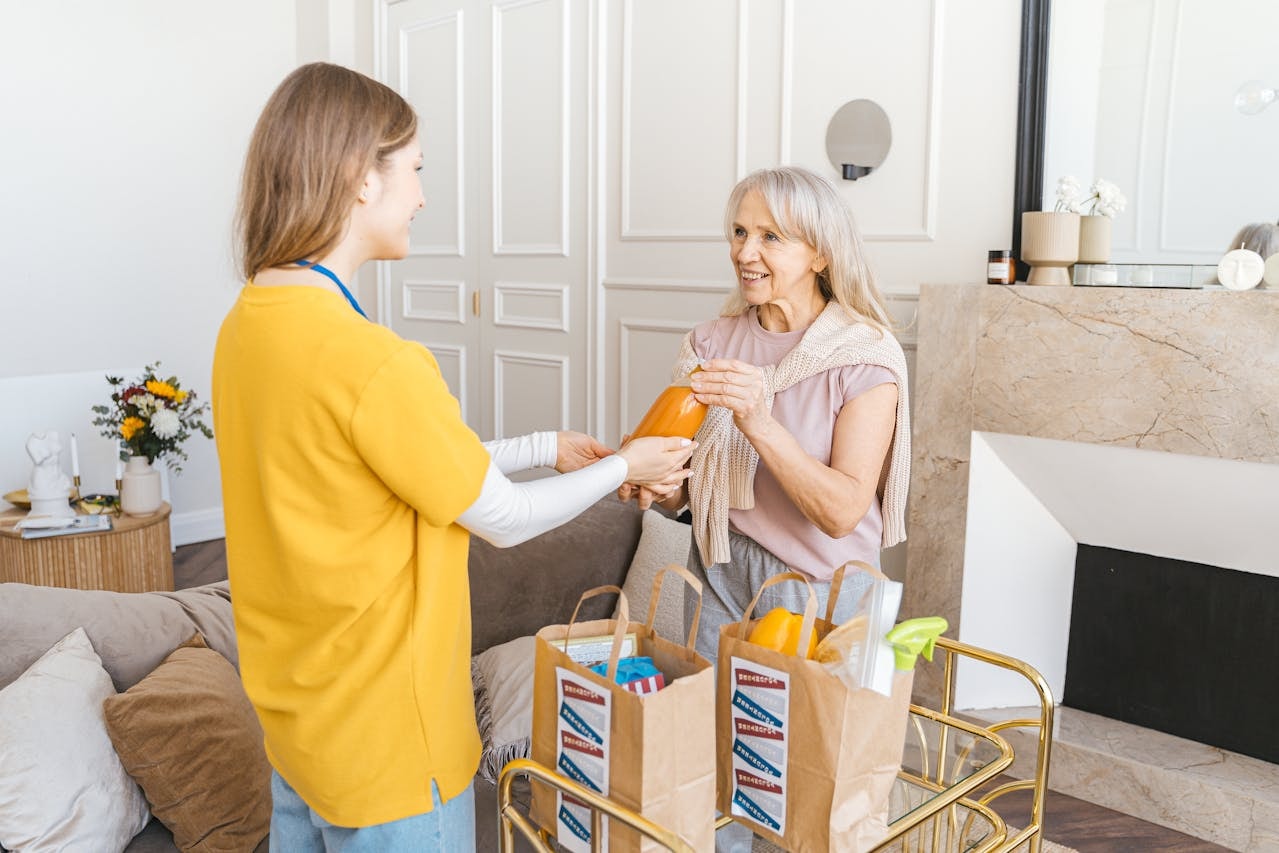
{"type": "Point", "coordinates": [189, 737]}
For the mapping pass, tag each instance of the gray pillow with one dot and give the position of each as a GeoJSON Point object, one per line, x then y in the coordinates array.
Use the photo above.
{"type": "Point", "coordinates": [663, 541]}
{"type": "Point", "coordinates": [131, 631]}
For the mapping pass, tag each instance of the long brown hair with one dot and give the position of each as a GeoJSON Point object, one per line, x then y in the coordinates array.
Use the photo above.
{"type": "Point", "coordinates": [320, 132]}
{"type": "Point", "coordinates": [808, 207]}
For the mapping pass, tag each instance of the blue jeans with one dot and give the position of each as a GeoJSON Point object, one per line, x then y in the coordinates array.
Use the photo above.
{"type": "Point", "coordinates": [296, 828]}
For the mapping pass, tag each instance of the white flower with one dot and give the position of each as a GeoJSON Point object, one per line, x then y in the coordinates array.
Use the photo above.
{"type": "Point", "coordinates": [1104, 199]}
{"type": "Point", "coordinates": [165, 423]}
{"type": "Point", "coordinates": [1067, 194]}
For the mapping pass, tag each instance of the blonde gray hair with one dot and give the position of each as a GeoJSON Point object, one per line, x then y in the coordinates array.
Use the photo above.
{"type": "Point", "coordinates": [808, 207]}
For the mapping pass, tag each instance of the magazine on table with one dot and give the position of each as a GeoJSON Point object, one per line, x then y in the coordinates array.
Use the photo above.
{"type": "Point", "coordinates": [39, 528]}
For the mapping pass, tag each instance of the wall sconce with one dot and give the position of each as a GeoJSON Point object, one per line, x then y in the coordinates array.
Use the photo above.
{"type": "Point", "coordinates": [858, 138]}
{"type": "Point", "coordinates": [1253, 97]}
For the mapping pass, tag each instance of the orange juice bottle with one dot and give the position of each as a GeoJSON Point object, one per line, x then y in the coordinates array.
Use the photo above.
{"type": "Point", "coordinates": [674, 412]}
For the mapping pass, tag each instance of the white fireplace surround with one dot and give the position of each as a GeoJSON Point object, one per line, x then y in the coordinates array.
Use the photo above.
{"type": "Point", "coordinates": [1032, 500]}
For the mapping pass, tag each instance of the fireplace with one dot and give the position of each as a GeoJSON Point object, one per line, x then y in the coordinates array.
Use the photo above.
{"type": "Point", "coordinates": [1139, 420]}
{"type": "Point", "coordinates": [1175, 645]}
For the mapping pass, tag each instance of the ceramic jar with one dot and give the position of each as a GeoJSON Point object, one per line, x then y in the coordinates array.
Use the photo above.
{"type": "Point", "coordinates": [140, 487]}
{"type": "Point", "coordinates": [1050, 244]}
{"type": "Point", "coordinates": [1094, 239]}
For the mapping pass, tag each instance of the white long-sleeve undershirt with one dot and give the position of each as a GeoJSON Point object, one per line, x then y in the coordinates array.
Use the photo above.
{"type": "Point", "coordinates": [507, 513]}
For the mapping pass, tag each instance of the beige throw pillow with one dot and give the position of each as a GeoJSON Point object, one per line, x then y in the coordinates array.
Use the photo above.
{"type": "Point", "coordinates": [662, 541]}
{"type": "Point", "coordinates": [189, 736]}
{"type": "Point", "coordinates": [61, 785]}
{"type": "Point", "coordinates": [502, 678]}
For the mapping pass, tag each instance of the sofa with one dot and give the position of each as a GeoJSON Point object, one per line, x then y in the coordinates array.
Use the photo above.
{"type": "Point", "coordinates": [167, 691]}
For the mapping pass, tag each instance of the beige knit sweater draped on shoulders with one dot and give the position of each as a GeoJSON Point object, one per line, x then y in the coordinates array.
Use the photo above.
{"type": "Point", "coordinates": [724, 462]}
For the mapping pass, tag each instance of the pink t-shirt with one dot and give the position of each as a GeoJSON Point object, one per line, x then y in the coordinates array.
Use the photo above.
{"type": "Point", "coordinates": [808, 410]}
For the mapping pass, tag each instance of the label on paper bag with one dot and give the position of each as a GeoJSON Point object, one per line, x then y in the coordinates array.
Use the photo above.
{"type": "Point", "coordinates": [760, 712]}
{"type": "Point", "coordinates": [581, 754]}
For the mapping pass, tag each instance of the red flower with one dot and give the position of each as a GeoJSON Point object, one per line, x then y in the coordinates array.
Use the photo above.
{"type": "Point", "coordinates": [131, 392]}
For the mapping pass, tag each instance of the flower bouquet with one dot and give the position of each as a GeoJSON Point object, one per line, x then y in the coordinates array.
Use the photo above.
{"type": "Point", "coordinates": [1102, 203]}
{"type": "Point", "coordinates": [152, 417]}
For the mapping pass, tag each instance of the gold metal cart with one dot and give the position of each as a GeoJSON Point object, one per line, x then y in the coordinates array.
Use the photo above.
{"type": "Point", "coordinates": [943, 797]}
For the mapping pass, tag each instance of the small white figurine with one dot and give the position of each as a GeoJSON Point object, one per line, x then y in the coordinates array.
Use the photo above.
{"type": "Point", "coordinates": [49, 487]}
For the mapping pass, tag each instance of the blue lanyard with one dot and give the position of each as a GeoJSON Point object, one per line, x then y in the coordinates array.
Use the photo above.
{"type": "Point", "coordinates": [325, 271]}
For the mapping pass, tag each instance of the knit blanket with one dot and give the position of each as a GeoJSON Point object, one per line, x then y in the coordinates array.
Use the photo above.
{"type": "Point", "coordinates": [724, 462]}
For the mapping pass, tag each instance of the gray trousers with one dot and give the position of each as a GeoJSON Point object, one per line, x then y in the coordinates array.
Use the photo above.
{"type": "Point", "coordinates": [727, 590]}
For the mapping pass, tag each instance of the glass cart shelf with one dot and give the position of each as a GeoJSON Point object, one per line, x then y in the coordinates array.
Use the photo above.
{"type": "Point", "coordinates": [1146, 275]}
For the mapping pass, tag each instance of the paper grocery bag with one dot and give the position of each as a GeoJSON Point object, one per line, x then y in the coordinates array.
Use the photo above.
{"type": "Point", "coordinates": [651, 753]}
{"type": "Point", "coordinates": [803, 760]}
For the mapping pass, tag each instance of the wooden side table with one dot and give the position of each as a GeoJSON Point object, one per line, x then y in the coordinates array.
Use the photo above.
{"type": "Point", "coordinates": [134, 556]}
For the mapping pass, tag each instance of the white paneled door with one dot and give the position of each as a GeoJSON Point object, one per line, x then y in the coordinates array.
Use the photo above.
{"type": "Point", "coordinates": [496, 283]}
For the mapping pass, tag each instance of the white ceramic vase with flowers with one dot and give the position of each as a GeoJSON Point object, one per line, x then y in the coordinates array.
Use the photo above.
{"type": "Point", "coordinates": [150, 418]}
{"type": "Point", "coordinates": [1097, 209]}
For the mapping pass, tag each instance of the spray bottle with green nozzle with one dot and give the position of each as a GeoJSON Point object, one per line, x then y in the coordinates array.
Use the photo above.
{"type": "Point", "coordinates": [914, 637]}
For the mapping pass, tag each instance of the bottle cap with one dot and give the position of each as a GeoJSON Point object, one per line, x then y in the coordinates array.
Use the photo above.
{"type": "Point", "coordinates": [998, 254]}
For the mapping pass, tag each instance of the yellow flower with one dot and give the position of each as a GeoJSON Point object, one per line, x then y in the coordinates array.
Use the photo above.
{"type": "Point", "coordinates": [131, 425]}
{"type": "Point", "coordinates": [161, 389]}
{"type": "Point", "coordinates": [180, 396]}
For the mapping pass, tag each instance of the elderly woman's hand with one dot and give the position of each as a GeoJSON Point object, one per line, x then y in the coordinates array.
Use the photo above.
{"type": "Point", "coordinates": [733, 384]}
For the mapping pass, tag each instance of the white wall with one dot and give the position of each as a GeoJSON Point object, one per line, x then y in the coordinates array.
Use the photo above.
{"type": "Point", "coordinates": [122, 155]}
{"type": "Point", "coordinates": [124, 127]}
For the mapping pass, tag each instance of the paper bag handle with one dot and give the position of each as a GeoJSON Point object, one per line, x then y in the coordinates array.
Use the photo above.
{"type": "Point", "coordinates": [810, 608]}
{"type": "Point", "coordinates": [619, 633]}
{"type": "Point", "coordinates": [657, 591]}
{"type": "Point", "coordinates": [837, 581]}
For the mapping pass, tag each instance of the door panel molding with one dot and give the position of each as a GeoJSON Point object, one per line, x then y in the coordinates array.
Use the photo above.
{"type": "Point", "coordinates": [501, 358]}
{"type": "Point", "coordinates": [442, 351]}
{"type": "Point", "coordinates": [501, 246]}
{"type": "Point", "coordinates": [556, 320]}
{"type": "Point", "coordinates": [454, 290]}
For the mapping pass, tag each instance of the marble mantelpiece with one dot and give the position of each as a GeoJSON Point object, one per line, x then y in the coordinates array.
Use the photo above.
{"type": "Point", "coordinates": [1185, 371]}
{"type": "Point", "coordinates": [1188, 373]}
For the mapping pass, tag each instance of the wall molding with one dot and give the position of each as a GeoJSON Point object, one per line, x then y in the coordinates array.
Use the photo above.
{"type": "Point", "coordinates": [932, 141]}
{"type": "Point", "coordinates": [626, 326]}
{"type": "Point", "coordinates": [381, 69]}
{"type": "Point", "coordinates": [502, 318]}
{"type": "Point", "coordinates": [626, 231]}
{"type": "Point", "coordinates": [1166, 177]}
{"type": "Point", "coordinates": [504, 357]}
{"type": "Point", "coordinates": [203, 525]}
{"type": "Point", "coordinates": [458, 351]}
{"type": "Point", "coordinates": [456, 289]}
{"type": "Point", "coordinates": [683, 285]}
{"type": "Point", "coordinates": [500, 246]}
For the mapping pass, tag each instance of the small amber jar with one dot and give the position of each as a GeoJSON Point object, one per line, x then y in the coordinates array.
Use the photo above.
{"type": "Point", "coordinates": [999, 267]}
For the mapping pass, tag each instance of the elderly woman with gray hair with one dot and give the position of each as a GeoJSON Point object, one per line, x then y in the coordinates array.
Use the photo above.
{"type": "Point", "coordinates": [803, 459]}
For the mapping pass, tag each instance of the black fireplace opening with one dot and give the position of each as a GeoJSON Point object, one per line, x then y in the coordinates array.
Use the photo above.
{"type": "Point", "coordinates": [1184, 648]}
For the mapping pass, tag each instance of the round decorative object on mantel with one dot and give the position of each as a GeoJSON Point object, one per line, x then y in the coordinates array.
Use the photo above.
{"type": "Point", "coordinates": [1240, 269]}
{"type": "Point", "coordinates": [1049, 243]}
{"type": "Point", "coordinates": [140, 487]}
{"type": "Point", "coordinates": [1094, 239]}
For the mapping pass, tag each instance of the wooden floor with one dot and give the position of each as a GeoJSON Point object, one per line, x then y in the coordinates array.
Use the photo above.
{"type": "Point", "coordinates": [1069, 821]}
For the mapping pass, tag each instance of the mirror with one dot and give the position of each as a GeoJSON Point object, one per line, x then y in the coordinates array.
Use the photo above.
{"type": "Point", "coordinates": [858, 138]}
{"type": "Point", "coordinates": [1145, 95]}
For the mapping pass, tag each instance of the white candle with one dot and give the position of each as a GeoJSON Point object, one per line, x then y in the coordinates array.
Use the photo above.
{"type": "Point", "coordinates": [119, 466]}
{"type": "Point", "coordinates": [75, 457]}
